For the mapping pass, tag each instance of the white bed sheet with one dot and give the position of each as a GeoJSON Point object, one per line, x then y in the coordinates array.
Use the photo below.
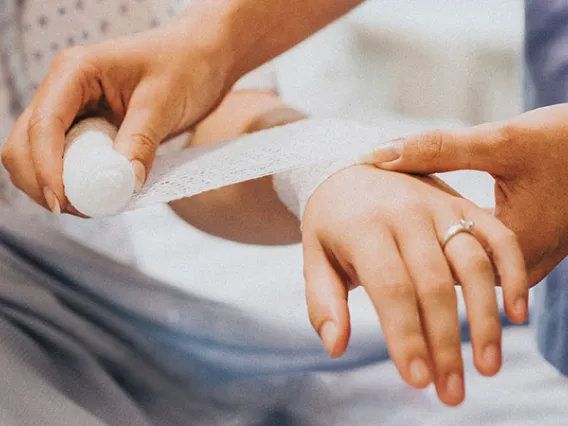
{"type": "Point", "coordinates": [527, 391]}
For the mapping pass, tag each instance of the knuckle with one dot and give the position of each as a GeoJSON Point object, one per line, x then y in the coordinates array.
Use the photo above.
{"type": "Point", "coordinates": [361, 244]}
{"type": "Point", "coordinates": [411, 204]}
{"type": "Point", "coordinates": [74, 57]}
{"type": "Point", "coordinates": [447, 356]}
{"type": "Point", "coordinates": [508, 238]}
{"type": "Point", "coordinates": [145, 144]}
{"type": "Point", "coordinates": [39, 122]}
{"type": "Point", "coordinates": [506, 142]}
{"type": "Point", "coordinates": [408, 345]}
{"type": "Point", "coordinates": [397, 289]}
{"type": "Point", "coordinates": [465, 205]}
{"type": "Point", "coordinates": [316, 320]}
{"type": "Point", "coordinates": [412, 343]}
{"type": "Point", "coordinates": [431, 144]}
{"type": "Point", "coordinates": [477, 261]}
{"type": "Point", "coordinates": [490, 327]}
{"type": "Point", "coordinates": [76, 64]}
{"type": "Point", "coordinates": [506, 134]}
{"type": "Point", "coordinates": [439, 291]}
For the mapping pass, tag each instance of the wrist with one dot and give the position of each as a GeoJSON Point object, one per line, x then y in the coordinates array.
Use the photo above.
{"type": "Point", "coordinates": [206, 24]}
{"type": "Point", "coordinates": [296, 187]}
{"type": "Point", "coordinates": [240, 33]}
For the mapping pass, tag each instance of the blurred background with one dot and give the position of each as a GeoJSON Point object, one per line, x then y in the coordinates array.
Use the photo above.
{"type": "Point", "coordinates": [441, 63]}
{"type": "Point", "coordinates": [445, 64]}
{"type": "Point", "coordinates": [437, 62]}
{"type": "Point", "coordinates": [425, 59]}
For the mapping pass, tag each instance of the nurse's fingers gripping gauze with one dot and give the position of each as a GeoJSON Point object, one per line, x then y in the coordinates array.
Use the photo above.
{"type": "Point", "coordinates": [100, 182]}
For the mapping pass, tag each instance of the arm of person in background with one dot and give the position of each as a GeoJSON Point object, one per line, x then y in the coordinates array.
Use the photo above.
{"type": "Point", "coordinates": [383, 231]}
{"type": "Point", "coordinates": [248, 212]}
{"type": "Point", "coordinates": [185, 68]}
{"type": "Point", "coordinates": [526, 155]}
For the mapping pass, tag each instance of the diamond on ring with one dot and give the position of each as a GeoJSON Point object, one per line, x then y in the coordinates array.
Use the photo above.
{"type": "Point", "coordinates": [463, 226]}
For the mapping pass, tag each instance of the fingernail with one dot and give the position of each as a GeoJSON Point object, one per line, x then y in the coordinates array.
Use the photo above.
{"type": "Point", "coordinates": [454, 385]}
{"type": "Point", "coordinates": [139, 174]}
{"type": "Point", "coordinates": [419, 372]}
{"type": "Point", "coordinates": [521, 307]}
{"type": "Point", "coordinates": [492, 354]}
{"type": "Point", "coordinates": [328, 334]}
{"type": "Point", "coordinates": [52, 200]}
{"type": "Point", "coordinates": [388, 152]}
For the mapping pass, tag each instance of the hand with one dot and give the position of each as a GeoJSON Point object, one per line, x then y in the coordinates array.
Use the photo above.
{"type": "Point", "coordinates": [386, 236]}
{"type": "Point", "coordinates": [527, 156]}
{"type": "Point", "coordinates": [156, 84]}
{"type": "Point", "coordinates": [248, 212]}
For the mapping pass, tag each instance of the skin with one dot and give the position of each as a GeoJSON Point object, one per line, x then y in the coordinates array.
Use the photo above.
{"type": "Point", "coordinates": [134, 79]}
{"type": "Point", "coordinates": [526, 155]}
{"type": "Point", "coordinates": [386, 239]}
{"type": "Point", "coordinates": [186, 68]}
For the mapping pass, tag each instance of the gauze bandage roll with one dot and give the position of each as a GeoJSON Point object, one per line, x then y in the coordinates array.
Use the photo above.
{"type": "Point", "coordinates": [99, 182]}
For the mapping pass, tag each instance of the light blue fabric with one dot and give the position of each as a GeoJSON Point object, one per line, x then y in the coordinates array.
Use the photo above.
{"type": "Point", "coordinates": [207, 342]}
{"type": "Point", "coordinates": [546, 83]}
{"type": "Point", "coordinates": [207, 338]}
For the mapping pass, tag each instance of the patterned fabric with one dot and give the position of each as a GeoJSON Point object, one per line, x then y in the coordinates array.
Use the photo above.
{"type": "Point", "coordinates": [546, 83]}
{"type": "Point", "coordinates": [89, 342]}
{"type": "Point", "coordinates": [32, 32]}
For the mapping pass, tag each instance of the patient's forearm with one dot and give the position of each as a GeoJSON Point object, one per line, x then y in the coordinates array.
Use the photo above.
{"type": "Point", "coordinates": [251, 211]}
{"type": "Point", "coordinates": [252, 32]}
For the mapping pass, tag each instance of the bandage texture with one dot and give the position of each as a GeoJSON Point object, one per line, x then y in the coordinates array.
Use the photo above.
{"type": "Point", "coordinates": [282, 149]}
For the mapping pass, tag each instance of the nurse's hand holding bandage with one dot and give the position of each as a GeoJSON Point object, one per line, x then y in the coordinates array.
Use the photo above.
{"type": "Point", "coordinates": [527, 156]}
{"type": "Point", "coordinates": [154, 84]}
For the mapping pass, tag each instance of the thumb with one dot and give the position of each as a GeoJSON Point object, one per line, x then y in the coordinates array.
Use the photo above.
{"type": "Point", "coordinates": [474, 148]}
{"type": "Point", "coordinates": [326, 297]}
{"type": "Point", "coordinates": [143, 129]}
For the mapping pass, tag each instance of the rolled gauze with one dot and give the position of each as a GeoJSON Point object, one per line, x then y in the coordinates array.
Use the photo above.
{"type": "Point", "coordinates": [100, 182]}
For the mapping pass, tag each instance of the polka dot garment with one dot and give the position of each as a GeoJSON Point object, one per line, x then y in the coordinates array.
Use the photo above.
{"type": "Point", "coordinates": [49, 26]}
{"type": "Point", "coordinates": [32, 32]}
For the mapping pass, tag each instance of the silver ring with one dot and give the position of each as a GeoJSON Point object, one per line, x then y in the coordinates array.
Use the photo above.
{"type": "Point", "coordinates": [463, 226]}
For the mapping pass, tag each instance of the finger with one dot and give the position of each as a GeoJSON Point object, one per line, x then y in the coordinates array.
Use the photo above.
{"type": "Point", "coordinates": [473, 148]}
{"type": "Point", "coordinates": [436, 295]}
{"type": "Point", "coordinates": [58, 102]}
{"type": "Point", "coordinates": [144, 127]}
{"type": "Point", "coordinates": [507, 256]}
{"type": "Point", "coordinates": [474, 271]}
{"type": "Point", "coordinates": [17, 160]}
{"type": "Point", "coordinates": [381, 271]}
{"type": "Point", "coordinates": [326, 297]}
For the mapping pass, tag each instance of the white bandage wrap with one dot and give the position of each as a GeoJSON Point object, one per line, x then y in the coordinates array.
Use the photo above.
{"type": "Point", "coordinates": [295, 187]}
{"type": "Point", "coordinates": [98, 180]}
{"type": "Point", "coordinates": [98, 183]}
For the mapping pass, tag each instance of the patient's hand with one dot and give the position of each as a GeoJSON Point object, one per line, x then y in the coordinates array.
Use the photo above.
{"type": "Point", "coordinates": [383, 230]}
